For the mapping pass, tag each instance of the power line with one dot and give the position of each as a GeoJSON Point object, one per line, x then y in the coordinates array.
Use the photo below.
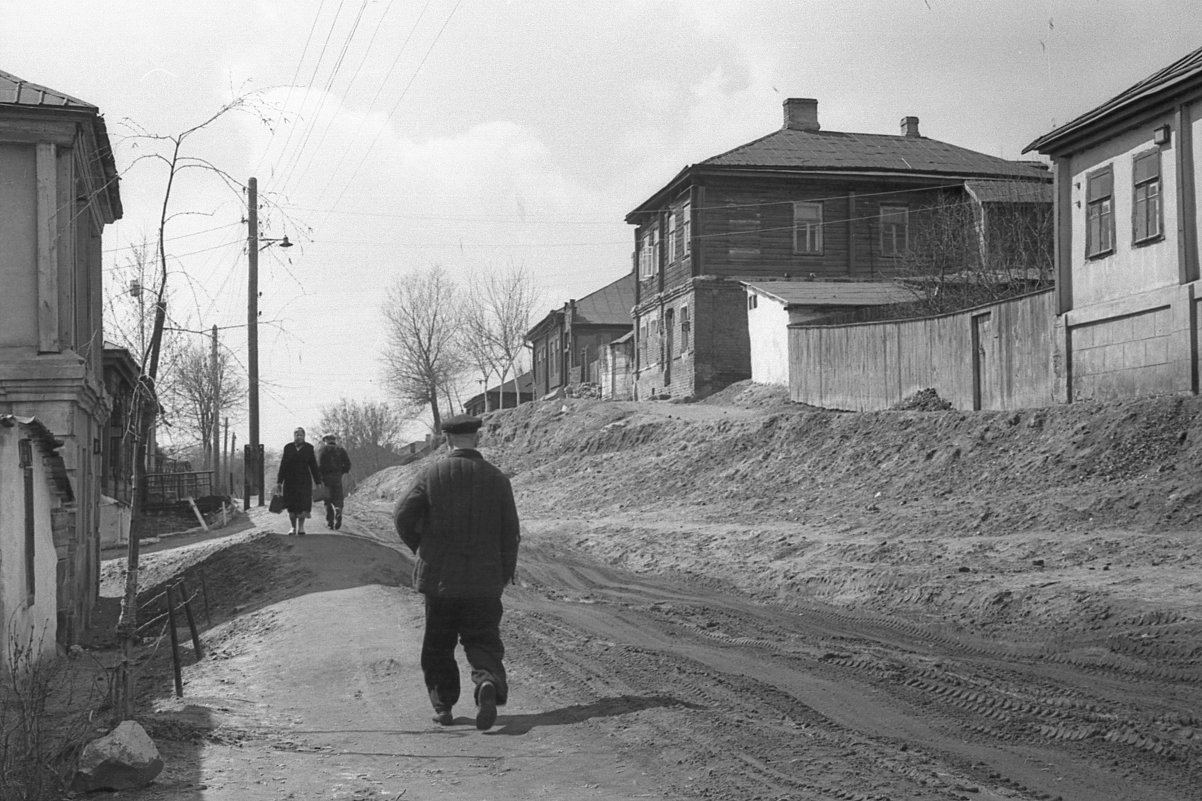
{"type": "Point", "coordinates": [397, 105]}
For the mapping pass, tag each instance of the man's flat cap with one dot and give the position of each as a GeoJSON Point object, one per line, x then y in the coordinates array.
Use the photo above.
{"type": "Point", "coordinates": [461, 424]}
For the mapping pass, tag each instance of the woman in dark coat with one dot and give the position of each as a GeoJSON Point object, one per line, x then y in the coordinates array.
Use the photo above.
{"type": "Point", "coordinates": [298, 473]}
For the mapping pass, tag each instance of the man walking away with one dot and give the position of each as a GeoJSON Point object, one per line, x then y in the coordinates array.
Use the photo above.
{"type": "Point", "coordinates": [333, 463]}
{"type": "Point", "coordinates": [461, 521]}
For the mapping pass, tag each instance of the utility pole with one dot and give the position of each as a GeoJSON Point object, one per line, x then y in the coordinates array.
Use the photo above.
{"type": "Point", "coordinates": [215, 437]}
{"type": "Point", "coordinates": [254, 462]}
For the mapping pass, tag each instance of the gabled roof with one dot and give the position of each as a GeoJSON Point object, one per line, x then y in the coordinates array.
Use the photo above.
{"type": "Point", "coordinates": [1183, 73]}
{"type": "Point", "coordinates": [833, 293]}
{"type": "Point", "coordinates": [794, 150]}
{"type": "Point", "coordinates": [789, 148]}
{"type": "Point", "coordinates": [15, 91]}
{"type": "Point", "coordinates": [609, 305]}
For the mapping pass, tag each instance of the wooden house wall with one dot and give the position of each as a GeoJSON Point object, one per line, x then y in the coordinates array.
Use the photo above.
{"type": "Point", "coordinates": [742, 227]}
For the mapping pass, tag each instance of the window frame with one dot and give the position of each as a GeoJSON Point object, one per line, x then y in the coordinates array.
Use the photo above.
{"type": "Point", "coordinates": [672, 237]}
{"type": "Point", "coordinates": [686, 329]}
{"type": "Point", "coordinates": [888, 230]}
{"type": "Point", "coordinates": [686, 228]}
{"type": "Point", "coordinates": [1140, 206]}
{"type": "Point", "coordinates": [812, 230]}
{"type": "Point", "coordinates": [647, 255]}
{"type": "Point", "coordinates": [1105, 205]}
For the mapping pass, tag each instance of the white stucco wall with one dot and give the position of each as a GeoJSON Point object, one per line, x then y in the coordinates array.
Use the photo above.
{"type": "Point", "coordinates": [1130, 268]}
{"type": "Point", "coordinates": [30, 624]}
{"type": "Point", "coordinates": [768, 330]}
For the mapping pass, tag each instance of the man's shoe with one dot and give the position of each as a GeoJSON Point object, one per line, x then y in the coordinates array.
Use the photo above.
{"type": "Point", "coordinates": [338, 520]}
{"type": "Point", "coordinates": [486, 703]}
{"type": "Point", "coordinates": [443, 717]}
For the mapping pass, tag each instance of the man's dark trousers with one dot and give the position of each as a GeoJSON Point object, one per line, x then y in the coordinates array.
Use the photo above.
{"type": "Point", "coordinates": [476, 624]}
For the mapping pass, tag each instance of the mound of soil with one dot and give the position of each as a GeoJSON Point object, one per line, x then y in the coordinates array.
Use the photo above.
{"type": "Point", "coordinates": [987, 519]}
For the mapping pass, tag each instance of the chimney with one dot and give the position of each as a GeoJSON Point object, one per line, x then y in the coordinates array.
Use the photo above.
{"type": "Point", "coordinates": [801, 114]}
{"type": "Point", "coordinates": [909, 126]}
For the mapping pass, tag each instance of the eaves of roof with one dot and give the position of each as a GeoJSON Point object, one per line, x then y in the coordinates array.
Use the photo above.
{"type": "Point", "coordinates": [833, 293]}
{"type": "Point", "coordinates": [16, 91]}
{"type": "Point", "coordinates": [21, 94]}
{"type": "Point", "coordinates": [1183, 75]}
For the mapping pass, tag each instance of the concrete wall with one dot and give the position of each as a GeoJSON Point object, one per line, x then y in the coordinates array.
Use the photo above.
{"type": "Point", "coordinates": [992, 357]}
{"type": "Point", "coordinates": [27, 620]}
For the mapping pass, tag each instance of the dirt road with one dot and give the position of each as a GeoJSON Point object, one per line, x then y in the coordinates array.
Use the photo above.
{"type": "Point", "coordinates": [641, 686]}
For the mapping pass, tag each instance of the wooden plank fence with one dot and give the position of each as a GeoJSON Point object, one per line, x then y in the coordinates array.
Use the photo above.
{"type": "Point", "coordinates": [997, 356]}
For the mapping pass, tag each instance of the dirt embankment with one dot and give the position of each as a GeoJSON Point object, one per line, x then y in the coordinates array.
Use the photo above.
{"type": "Point", "coordinates": [1066, 515]}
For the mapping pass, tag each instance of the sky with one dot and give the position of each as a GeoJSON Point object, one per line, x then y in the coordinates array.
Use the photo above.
{"type": "Point", "coordinates": [388, 136]}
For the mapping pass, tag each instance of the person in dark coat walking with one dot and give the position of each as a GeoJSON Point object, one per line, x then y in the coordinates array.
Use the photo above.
{"type": "Point", "coordinates": [333, 463]}
{"type": "Point", "coordinates": [297, 475]}
{"type": "Point", "coordinates": [460, 519]}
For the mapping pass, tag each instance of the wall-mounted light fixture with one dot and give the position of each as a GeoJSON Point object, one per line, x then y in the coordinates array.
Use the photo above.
{"type": "Point", "coordinates": [1162, 135]}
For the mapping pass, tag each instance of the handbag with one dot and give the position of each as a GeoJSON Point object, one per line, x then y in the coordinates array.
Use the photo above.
{"type": "Point", "coordinates": [277, 503]}
{"type": "Point", "coordinates": [320, 493]}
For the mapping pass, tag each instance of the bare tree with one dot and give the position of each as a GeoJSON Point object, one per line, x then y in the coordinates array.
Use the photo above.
{"type": "Point", "coordinates": [203, 386]}
{"type": "Point", "coordinates": [168, 152]}
{"type": "Point", "coordinates": [496, 318]}
{"type": "Point", "coordinates": [423, 357]}
{"type": "Point", "coordinates": [963, 253]}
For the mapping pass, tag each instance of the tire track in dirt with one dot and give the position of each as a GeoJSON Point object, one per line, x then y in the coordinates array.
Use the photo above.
{"type": "Point", "coordinates": [984, 712]}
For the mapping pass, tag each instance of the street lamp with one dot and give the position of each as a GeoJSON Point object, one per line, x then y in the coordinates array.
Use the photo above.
{"type": "Point", "coordinates": [253, 454]}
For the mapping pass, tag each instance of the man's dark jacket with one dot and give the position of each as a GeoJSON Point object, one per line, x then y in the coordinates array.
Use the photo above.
{"type": "Point", "coordinates": [461, 521]}
{"type": "Point", "coordinates": [333, 460]}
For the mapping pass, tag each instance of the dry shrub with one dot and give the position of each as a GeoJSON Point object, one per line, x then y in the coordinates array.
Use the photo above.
{"type": "Point", "coordinates": [49, 707]}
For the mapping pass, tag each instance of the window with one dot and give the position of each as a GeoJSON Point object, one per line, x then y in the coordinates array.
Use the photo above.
{"type": "Point", "coordinates": [1146, 203]}
{"type": "Point", "coordinates": [653, 329]}
{"type": "Point", "coordinates": [753, 300]}
{"type": "Point", "coordinates": [1099, 214]}
{"type": "Point", "coordinates": [685, 329]}
{"type": "Point", "coordinates": [807, 228]}
{"type": "Point", "coordinates": [686, 228]}
{"type": "Point", "coordinates": [647, 255]}
{"type": "Point", "coordinates": [895, 230]}
{"type": "Point", "coordinates": [25, 456]}
{"type": "Point", "coordinates": [744, 228]}
{"type": "Point", "coordinates": [671, 237]}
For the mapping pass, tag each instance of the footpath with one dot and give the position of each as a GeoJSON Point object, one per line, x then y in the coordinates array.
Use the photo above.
{"type": "Point", "coordinates": [316, 693]}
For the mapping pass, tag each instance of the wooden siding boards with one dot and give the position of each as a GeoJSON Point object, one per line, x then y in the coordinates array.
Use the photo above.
{"type": "Point", "coordinates": [874, 366]}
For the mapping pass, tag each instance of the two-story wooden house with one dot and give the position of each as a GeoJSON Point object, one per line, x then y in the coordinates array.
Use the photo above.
{"type": "Point", "coordinates": [1127, 274]}
{"type": "Point", "coordinates": [58, 189]}
{"type": "Point", "coordinates": [569, 343]}
{"type": "Point", "coordinates": [801, 202]}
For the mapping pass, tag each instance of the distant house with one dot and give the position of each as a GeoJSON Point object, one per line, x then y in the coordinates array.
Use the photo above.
{"type": "Point", "coordinates": [117, 452]}
{"type": "Point", "coordinates": [506, 396]}
{"type": "Point", "coordinates": [617, 371]}
{"type": "Point", "coordinates": [1127, 272]}
{"type": "Point", "coordinates": [568, 344]}
{"type": "Point", "coordinates": [774, 305]}
{"type": "Point", "coordinates": [799, 202]}
{"type": "Point", "coordinates": [36, 500]}
{"type": "Point", "coordinates": [58, 189]}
